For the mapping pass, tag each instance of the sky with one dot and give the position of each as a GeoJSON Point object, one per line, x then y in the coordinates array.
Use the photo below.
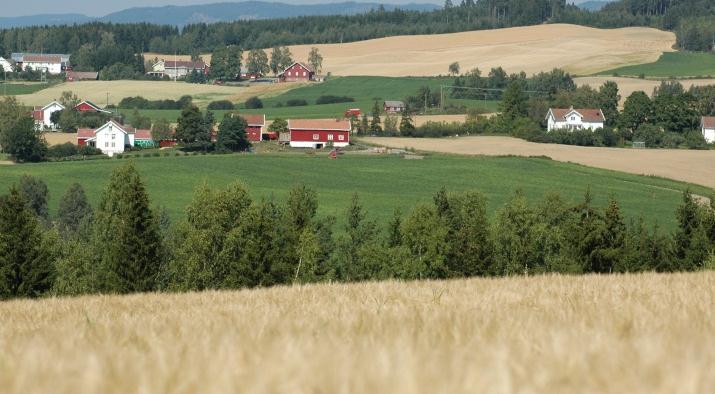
{"type": "Point", "coordinates": [103, 7]}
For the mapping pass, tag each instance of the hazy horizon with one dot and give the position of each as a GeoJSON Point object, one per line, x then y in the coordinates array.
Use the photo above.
{"type": "Point", "coordinates": [95, 9]}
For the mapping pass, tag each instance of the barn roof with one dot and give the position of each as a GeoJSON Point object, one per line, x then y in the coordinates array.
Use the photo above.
{"type": "Point", "coordinates": [255, 119]}
{"type": "Point", "coordinates": [394, 103]}
{"type": "Point", "coordinates": [587, 114]}
{"type": "Point", "coordinates": [298, 63]}
{"type": "Point", "coordinates": [196, 65]}
{"type": "Point", "coordinates": [708, 122]}
{"type": "Point", "coordinates": [319, 124]}
{"type": "Point", "coordinates": [85, 133]}
{"type": "Point", "coordinates": [79, 75]}
{"type": "Point", "coordinates": [94, 106]}
{"type": "Point", "coordinates": [141, 134]}
{"type": "Point", "coordinates": [42, 59]}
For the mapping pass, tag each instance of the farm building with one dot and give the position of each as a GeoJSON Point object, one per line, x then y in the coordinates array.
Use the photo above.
{"type": "Point", "coordinates": [43, 115]}
{"type": "Point", "coordinates": [178, 68]}
{"type": "Point", "coordinates": [248, 75]}
{"type": "Point", "coordinates": [319, 133]}
{"type": "Point", "coordinates": [707, 125]}
{"type": "Point", "coordinates": [256, 127]}
{"type": "Point", "coordinates": [50, 63]}
{"type": "Point", "coordinates": [88, 106]}
{"type": "Point", "coordinates": [6, 66]}
{"type": "Point", "coordinates": [574, 119]}
{"type": "Point", "coordinates": [113, 138]}
{"type": "Point", "coordinates": [393, 106]}
{"type": "Point", "coordinates": [75, 76]}
{"type": "Point", "coordinates": [297, 72]}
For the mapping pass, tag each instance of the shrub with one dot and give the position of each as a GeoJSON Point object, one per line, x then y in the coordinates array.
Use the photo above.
{"type": "Point", "coordinates": [63, 150]}
{"type": "Point", "coordinates": [296, 103]}
{"type": "Point", "coordinates": [254, 103]}
{"type": "Point", "coordinates": [330, 99]}
{"type": "Point", "coordinates": [221, 104]}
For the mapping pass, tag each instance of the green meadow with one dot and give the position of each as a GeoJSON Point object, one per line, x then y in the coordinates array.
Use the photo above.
{"type": "Point", "coordinates": [14, 89]}
{"type": "Point", "coordinates": [672, 64]}
{"type": "Point", "coordinates": [384, 183]}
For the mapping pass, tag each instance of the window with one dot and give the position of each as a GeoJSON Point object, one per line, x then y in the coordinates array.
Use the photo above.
{"type": "Point", "coordinates": [304, 73]}
{"type": "Point", "coordinates": [330, 137]}
{"type": "Point", "coordinates": [112, 144]}
{"type": "Point", "coordinates": [341, 137]}
{"type": "Point", "coordinates": [289, 73]}
{"type": "Point", "coordinates": [316, 137]}
{"type": "Point", "coordinates": [106, 144]}
{"type": "Point", "coordinates": [114, 136]}
{"type": "Point", "coordinates": [573, 118]}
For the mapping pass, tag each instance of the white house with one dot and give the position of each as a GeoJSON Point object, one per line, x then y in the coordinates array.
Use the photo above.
{"type": "Point", "coordinates": [112, 138]}
{"type": "Point", "coordinates": [50, 63]}
{"type": "Point", "coordinates": [43, 115]}
{"type": "Point", "coordinates": [574, 119]}
{"type": "Point", "coordinates": [6, 66]}
{"type": "Point", "coordinates": [178, 68]}
{"type": "Point", "coordinates": [708, 126]}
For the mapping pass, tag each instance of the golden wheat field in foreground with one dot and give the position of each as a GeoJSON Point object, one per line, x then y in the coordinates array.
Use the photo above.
{"type": "Point", "coordinates": [595, 334]}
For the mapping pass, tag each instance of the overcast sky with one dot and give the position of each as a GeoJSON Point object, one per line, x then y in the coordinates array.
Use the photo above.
{"type": "Point", "coordinates": [103, 7]}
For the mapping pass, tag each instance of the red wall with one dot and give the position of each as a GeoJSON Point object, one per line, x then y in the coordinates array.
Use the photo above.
{"type": "Point", "coordinates": [297, 68]}
{"type": "Point", "coordinates": [307, 135]}
{"type": "Point", "coordinates": [81, 142]}
{"type": "Point", "coordinates": [253, 133]}
{"type": "Point", "coordinates": [84, 107]}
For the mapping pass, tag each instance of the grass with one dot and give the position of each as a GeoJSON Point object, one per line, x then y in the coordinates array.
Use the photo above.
{"type": "Point", "coordinates": [383, 182]}
{"type": "Point", "coordinates": [647, 333]}
{"type": "Point", "coordinates": [15, 89]}
{"type": "Point", "coordinates": [672, 64]}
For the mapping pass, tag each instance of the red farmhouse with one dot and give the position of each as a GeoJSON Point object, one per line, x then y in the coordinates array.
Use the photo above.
{"type": "Point", "coordinates": [88, 106]}
{"type": "Point", "coordinates": [255, 130]}
{"type": "Point", "coordinates": [318, 133]}
{"type": "Point", "coordinates": [297, 72]}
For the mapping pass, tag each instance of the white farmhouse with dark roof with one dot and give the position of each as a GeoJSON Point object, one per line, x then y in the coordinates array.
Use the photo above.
{"type": "Point", "coordinates": [707, 125]}
{"type": "Point", "coordinates": [574, 119]}
{"type": "Point", "coordinates": [50, 63]}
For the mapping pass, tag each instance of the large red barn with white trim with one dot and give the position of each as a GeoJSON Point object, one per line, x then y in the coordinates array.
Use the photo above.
{"type": "Point", "coordinates": [318, 133]}
{"type": "Point", "coordinates": [297, 72]}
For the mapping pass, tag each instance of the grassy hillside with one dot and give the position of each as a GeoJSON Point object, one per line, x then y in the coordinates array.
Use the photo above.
{"type": "Point", "coordinates": [13, 89]}
{"type": "Point", "coordinates": [384, 183]}
{"type": "Point", "coordinates": [365, 91]}
{"type": "Point", "coordinates": [672, 64]}
{"type": "Point", "coordinates": [645, 333]}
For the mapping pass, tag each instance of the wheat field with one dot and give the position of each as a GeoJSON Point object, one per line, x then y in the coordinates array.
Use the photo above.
{"type": "Point", "coordinates": [644, 333]}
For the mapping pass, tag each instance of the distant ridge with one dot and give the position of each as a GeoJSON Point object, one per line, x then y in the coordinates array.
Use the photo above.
{"type": "Point", "coordinates": [209, 13]}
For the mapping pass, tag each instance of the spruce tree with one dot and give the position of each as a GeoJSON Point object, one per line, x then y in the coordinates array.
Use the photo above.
{"type": "Point", "coordinates": [74, 211]}
{"type": "Point", "coordinates": [127, 231]}
{"type": "Point", "coordinates": [35, 192]}
{"type": "Point", "coordinates": [407, 126]}
{"type": "Point", "coordinates": [26, 265]}
{"type": "Point", "coordinates": [375, 123]}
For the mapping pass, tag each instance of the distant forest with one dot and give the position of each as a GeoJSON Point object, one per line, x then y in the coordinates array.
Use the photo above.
{"type": "Point", "coordinates": [97, 46]}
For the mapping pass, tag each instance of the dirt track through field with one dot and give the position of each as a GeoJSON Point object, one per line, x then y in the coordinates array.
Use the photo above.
{"type": "Point", "coordinates": [694, 166]}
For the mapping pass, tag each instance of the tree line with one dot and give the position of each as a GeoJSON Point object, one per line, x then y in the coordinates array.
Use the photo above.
{"type": "Point", "coordinates": [228, 240]}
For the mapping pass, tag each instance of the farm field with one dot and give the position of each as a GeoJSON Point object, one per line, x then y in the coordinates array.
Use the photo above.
{"type": "Point", "coordinates": [626, 86]}
{"type": "Point", "coordinates": [672, 64]}
{"type": "Point", "coordinates": [647, 333]}
{"type": "Point", "coordinates": [383, 182]}
{"type": "Point", "coordinates": [13, 88]}
{"type": "Point", "coordinates": [153, 90]}
{"type": "Point", "coordinates": [365, 91]}
{"type": "Point", "coordinates": [693, 166]}
{"type": "Point", "coordinates": [577, 49]}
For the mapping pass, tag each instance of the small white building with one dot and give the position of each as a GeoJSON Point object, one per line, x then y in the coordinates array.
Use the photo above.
{"type": "Point", "coordinates": [574, 119]}
{"type": "Point", "coordinates": [179, 68]}
{"type": "Point", "coordinates": [43, 115]}
{"type": "Point", "coordinates": [111, 138]}
{"type": "Point", "coordinates": [707, 124]}
{"type": "Point", "coordinates": [50, 63]}
{"type": "Point", "coordinates": [6, 66]}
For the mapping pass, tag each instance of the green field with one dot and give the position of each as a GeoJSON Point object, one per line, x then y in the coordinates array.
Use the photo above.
{"type": "Point", "coordinates": [672, 64]}
{"type": "Point", "coordinates": [14, 89]}
{"type": "Point", "coordinates": [365, 91]}
{"type": "Point", "coordinates": [383, 182]}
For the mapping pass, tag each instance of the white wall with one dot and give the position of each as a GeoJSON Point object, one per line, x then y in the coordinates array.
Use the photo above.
{"type": "Point", "coordinates": [47, 114]}
{"type": "Point", "coordinates": [52, 68]}
{"type": "Point", "coordinates": [573, 122]}
{"type": "Point", "coordinates": [111, 139]}
{"type": "Point", "coordinates": [709, 135]}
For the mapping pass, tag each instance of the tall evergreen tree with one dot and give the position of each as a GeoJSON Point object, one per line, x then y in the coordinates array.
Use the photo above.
{"type": "Point", "coordinates": [375, 123]}
{"type": "Point", "coordinates": [36, 193]}
{"type": "Point", "coordinates": [74, 211]}
{"type": "Point", "coordinates": [26, 266]}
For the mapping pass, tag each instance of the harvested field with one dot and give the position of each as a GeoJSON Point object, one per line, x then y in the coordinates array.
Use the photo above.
{"type": "Point", "coordinates": [578, 49]}
{"type": "Point", "coordinates": [60, 138]}
{"type": "Point", "coordinates": [649, 333]}
{"type": "Point", "coordinates": [153, 90]}
{"type": "Point", "coordinates": [626, 86]}
{"type": "Point", "coordinates": [692, 166]}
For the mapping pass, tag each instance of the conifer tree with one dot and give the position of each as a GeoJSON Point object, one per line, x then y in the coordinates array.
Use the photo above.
{"type": "Point", "coordinates": [407, 125]}
{"type": "Point", "coordinates": [375, 123]}
{"type": "Point", "coordinates": [35, 192]}
{"type": "Point", "coordinates": [26, 265]}
{"type": "Point", "coordinates": [127, 231]}
{"type": "Point", "coordinates": [74, 211]}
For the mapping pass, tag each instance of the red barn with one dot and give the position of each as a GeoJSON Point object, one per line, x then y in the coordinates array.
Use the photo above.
{"type": "Point", "coordinates": [88, 106]}
{"type": "Point", "coordinates": [73, 76]}
{"type": "Point", "coordinates": [83, 135]}
{"type": "Point", "coordinates": [318, 133]}
{"type": "Point", "coordinates": [297, 72]}
{"type": "Point", "coordinates": [255, 130]}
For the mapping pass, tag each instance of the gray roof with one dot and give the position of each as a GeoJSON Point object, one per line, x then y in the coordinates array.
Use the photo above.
{"type": "Point", "coordinates": [19, 56]}
{"type": "Point", "coordinates": [392, 103]}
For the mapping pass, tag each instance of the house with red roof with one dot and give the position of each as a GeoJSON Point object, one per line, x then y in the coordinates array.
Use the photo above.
{"type": "Point", "coordinates": [113, 138]}
{"type": "Point", "coordinates": [574, 119]}
{"type": "Point", "coordinates": [256, 127]}
{"type": "Point", "coordinates": [49, 63]}
{"type": "Point", "coordinates": [76, 76]}
{"type": "Point", "coordinates": [707, 124]}
{"type": "Point", "coordinates": [319, 133]}
{"type": "Point", "coordinates": [43, 115]}
{"type": "Point", "coordinates": [88, 106]}
{"type": "Point", "coordinates": [297, 72]}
